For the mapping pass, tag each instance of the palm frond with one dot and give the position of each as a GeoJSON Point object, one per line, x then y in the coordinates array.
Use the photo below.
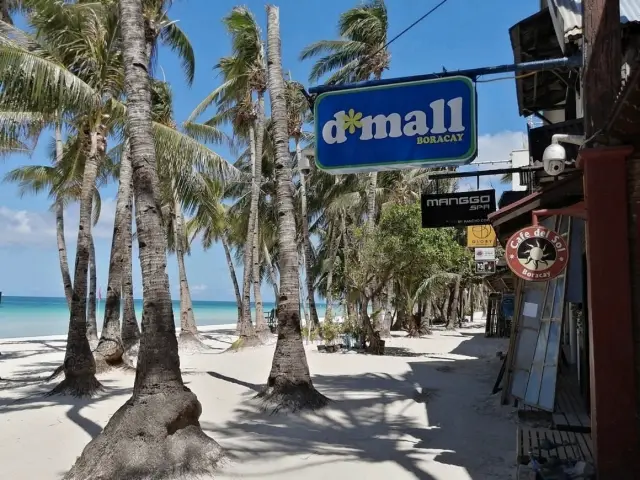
{"type": "Point", "coordinates": [177, 40]}
{"type": "Point", "coordinates": [179, 152]}
{"type": "Point", "coordinates": [41, 84]}
{"type": "Point", "coordinates": [206, 133]}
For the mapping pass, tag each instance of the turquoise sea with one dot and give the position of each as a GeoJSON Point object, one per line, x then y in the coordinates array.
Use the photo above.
{"type": "Point", "coordinates": [41, 316]}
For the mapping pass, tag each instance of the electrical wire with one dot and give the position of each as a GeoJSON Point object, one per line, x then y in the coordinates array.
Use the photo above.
{"type": "Point", "coordinates": [509, 77]}
{"type": "Point", "coordinates": [405, 30]}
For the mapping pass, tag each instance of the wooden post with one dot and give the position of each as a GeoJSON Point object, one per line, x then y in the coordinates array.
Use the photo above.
{"type": "Point", "coordinates": [614, 425]}
{"type": "Point", "coordinates": [602, 61]}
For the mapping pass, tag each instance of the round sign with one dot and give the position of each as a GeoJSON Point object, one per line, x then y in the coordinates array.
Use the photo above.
{"type": "Point", "coordinates": [482, 231]}
{"type": "Point", "coordinates": [537, 254]}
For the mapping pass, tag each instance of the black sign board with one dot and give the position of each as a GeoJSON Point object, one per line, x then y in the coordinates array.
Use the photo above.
{"type": "Point", "coordinates": [458, 208]}
{"type": "Point", "coordinates": [485, 267]}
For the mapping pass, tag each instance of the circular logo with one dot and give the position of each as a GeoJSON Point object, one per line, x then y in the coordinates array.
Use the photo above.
{"type": "Point", "coordinates": [481, 231]}
{"type": "Point", "coordinates": [537, 254]}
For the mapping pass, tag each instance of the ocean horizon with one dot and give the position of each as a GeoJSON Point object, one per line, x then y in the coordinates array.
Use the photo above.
{"type": "Point", "coordinates": [43, 316]}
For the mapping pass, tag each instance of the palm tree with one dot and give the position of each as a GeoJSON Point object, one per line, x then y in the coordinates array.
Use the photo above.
{"type": "Point", "coordinates": [360, 54]}
{"type": "Point", "coordinates": [177, 184]}
{"type": "Point", "coordinates": [38, 76]}
{"type": "Point", "coordinates": [110, 348]}
{"type": "Point", "coordinates": [130, 332]}
{"type": "Point", "coordinates": [160, 421]}
{"type": "Point", "coordinates": [239, 212]}
{"type": "Point", "coordinates": [240, 101]}
{"type": "Point", "coordinates": [62, 245]}
{"type": "Point", "coordinates": [72, 38]}
{"type": "Point", "coordinates": [63, 182]}
{"type": "Point", "coordinates": [18, 125]}
{"type": "Point", "coordinates": [211, 221]}
{"type": "Point", "coordinates": [297, 114]}
{"type": "Point", "coordinates": [289, 385]}
{"type": "Point", "coordinates": [8, 7]}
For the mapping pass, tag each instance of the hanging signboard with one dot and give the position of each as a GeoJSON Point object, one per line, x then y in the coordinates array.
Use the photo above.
{"type": "Point", "coordinates": [485, 267]}
{"type": "Point", "coordinates": [425, 123]}
{"type": "Point", "coordinates": [485, 253]}
{"type": "Point", "coordinates": [481, 236]}
{"type": "Point", "coordinates": [457, 208]}
{"type": "Point", "coordinates": [537, 254]}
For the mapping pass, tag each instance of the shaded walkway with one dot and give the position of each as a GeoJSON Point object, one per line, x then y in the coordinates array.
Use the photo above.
{"type": "Point", "coordinates": [436, 420]}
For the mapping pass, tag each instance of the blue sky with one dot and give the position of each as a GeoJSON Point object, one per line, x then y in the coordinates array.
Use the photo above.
{"type": "Point", "coordinates": [461, 34]}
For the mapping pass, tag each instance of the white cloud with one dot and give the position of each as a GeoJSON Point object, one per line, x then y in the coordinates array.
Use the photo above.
{"type": "Point", "coordinates": [492, 148]}
{"type": "Point", "coordinates": [38, 229]}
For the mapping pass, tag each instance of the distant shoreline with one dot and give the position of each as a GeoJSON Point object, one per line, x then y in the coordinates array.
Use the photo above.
{"type": "Point", "coordinates": [269, 302]}
{"type": "Point", "coordinates": [49, 338]}
{"type": "Point", "coordinates": [28, 317]}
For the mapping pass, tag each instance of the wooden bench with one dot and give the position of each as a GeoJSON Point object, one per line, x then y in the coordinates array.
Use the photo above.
{"type": "Point", "coordinates": [272, 320]}
{"type": "Point", "coordinates": [572, 445]}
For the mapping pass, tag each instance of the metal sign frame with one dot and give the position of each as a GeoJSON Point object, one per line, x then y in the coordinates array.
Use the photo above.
{"type": "Point", "coordinates": [427, 123]}
{"type": "Point", "coordinates": [457, 208]}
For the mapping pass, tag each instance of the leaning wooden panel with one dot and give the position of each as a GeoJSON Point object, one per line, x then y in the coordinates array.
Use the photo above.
{"type": "Point", "coordinates": [506, 382]}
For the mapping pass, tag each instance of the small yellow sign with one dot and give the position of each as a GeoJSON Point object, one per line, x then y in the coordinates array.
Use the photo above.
{"type": "Point", "coordinates": [481, 236]}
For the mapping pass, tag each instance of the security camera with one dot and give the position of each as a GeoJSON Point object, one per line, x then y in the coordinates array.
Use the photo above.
{"type": "Point", "coordinates": [554, 157]}
{"type": "Point", "coordinates": [303, 164]}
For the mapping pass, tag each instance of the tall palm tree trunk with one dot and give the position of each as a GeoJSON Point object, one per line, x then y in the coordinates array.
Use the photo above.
{"type": "Point", "coordinates": [130, 333]}
{"type": "Point", "coordinates": [452, 311]}
{"type": "Point", "coordinates": [92, 322]}
{"type": "Point", "coordinates": [188, 329]}
{"type": "Point", "coordinates": [245, 329]}
{"type": "Point", "coordinates": [62, 244]}
{"type": "Point", "coordinates": [334, 240]}
{"type": "Point", "coordinates": [232, 273]}
{"type": "Point", "coordinates": [272, 271]}
{"type": "Point", "coordinates": [289, 384]}
{"type": "Point", "coordinates": [79, 365]}
{"type": "Point", "coordinates": [385, 330]}
{"type": "Point", "coordinates": [5, 13]}
{"type": "Point", "coordinates": [261, 325]}
{"type": "Point", "coordinates": [303, 299]}
{"type": "Point", "coordinates": [371, 199]}
{"type": "Point", "coordinates": [307, 243]}
{"type": "Point", "coordinates": [110, 348]}
{"type": "Point", "coordinates": [160, 421]}
{"type": "Point", "coordinates": [62, 252]}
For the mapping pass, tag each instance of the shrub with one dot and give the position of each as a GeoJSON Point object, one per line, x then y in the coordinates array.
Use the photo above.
{"type": "Point", "coordinates": [314, 334]}
{"type": "Point", "coordinates": [330, 332]}
{"type": "Point", "coordinates": [417, 327]}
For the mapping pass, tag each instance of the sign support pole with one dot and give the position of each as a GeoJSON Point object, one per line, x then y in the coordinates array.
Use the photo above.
{"type": "Point", "coordinates": [535, 66]}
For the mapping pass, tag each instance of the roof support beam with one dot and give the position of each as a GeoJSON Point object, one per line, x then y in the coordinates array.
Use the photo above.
{"type": "Point", "coordinates": [602, 62]}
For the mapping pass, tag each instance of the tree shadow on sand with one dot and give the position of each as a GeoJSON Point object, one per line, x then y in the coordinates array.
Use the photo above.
{"type": "Point", "coordinates": [33, 398]}
{"type": "Point", "coordinates": [418, 420]}
{"type": "Point", "coordinates": [30, 375]}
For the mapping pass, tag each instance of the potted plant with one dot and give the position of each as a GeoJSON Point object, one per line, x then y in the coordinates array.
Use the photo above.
{"type": "Point", "coordinates": [350, 333]}
{"type": "Point", "coordinates": [329, 334]}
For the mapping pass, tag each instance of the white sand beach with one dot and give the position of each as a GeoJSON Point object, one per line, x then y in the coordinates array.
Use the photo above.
{"type": "Point", "coordinates": [422, 411]}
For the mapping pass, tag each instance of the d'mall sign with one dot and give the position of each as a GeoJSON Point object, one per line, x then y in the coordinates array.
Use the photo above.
{"type": "Point", "coordinates": [427, 123]}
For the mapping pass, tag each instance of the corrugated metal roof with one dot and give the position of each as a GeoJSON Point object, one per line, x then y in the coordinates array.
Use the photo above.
{"type": "Point", "coordinates": [570, 13]}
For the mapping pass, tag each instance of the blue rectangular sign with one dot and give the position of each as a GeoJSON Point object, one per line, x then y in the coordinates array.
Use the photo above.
{"type": "Point", "coordinates": [427, 123]}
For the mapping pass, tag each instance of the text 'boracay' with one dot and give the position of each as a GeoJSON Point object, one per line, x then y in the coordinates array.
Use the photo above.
{"type": "Point", "coordinates": [393, 125]}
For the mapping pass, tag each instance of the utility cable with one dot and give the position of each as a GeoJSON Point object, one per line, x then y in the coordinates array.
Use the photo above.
{"type": "Point", "coordinates": [510, 77]}
{"type": "Point", "coordinates": [406, 30]}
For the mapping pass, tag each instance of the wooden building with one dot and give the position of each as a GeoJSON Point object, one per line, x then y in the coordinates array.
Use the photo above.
{"type": "Point", "coordinates": [575, 342]}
